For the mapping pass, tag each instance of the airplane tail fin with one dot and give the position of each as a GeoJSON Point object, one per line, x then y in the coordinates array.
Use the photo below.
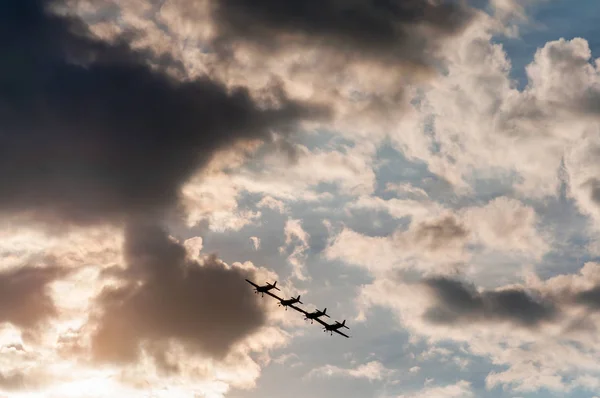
{"type": "Point", "coordinates": [299, 300]}
{"type": "Point", "coordinates": [275, 286]}
{"type": "Point", "coordinates": [344, 324]}
{"type": "Point", "coordinates": [325, 313]}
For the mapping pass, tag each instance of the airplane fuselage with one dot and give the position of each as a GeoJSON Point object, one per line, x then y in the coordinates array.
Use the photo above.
{"type": "Point", "coordinates": [336, 326]}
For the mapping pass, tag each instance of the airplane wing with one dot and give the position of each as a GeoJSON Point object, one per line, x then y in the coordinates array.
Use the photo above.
{"type": "Point", "coordinates": [273, 295]}
{"type": "Point", "coordinates": [322, 322]}
{"type": "Point", "coordinates": [338, 332]}
{"type": "Point", "coordinates": [298, 309]}
{"type": "Point", "coordinates": [252, 283]}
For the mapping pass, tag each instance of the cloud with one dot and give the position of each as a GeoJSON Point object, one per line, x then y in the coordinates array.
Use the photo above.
{"type": "Point", "coordinates": [165, 295]}
{"type": "Point", "coordinates": [405, 32]}
{"type": "Point", "coordinates": [296, 239]}
{"type": "Point", "coordinates": [440, 238]}
{"type": "Point", "coordinates": [359, 57]}
{"type": "Point", "coordinates": [530, 132]}
{"type": "Point", "coordinates": [97, 131]}
{"type": "Point", "coordinates": [423, 246]}
{"type": "Point", "coordinates": [350, 171]}
{"type": "Point", "coordinates": [461, 389]}
{"type": "Point", "coordinates": [406, 188]}
{"type": "Point", "coordinates": [458, 303]}
{"type": "Point", "coordinates": [584, 177]}
{"type": "Point", "coordinates": [537, 334]}
{"type": "Point", "coordinates": [439, 233]}
{"type": "Point", "coordinates": [255, 242]}
{"type": "Point", "coordinates": [371, 371]}
{"type": "Point", "coordinates": [272, 203]}
{"type": "Point", "coordinates": [25, 299]}
{"type": "Point", "coordinates": [212, 199]}
{"type": "Point", "coordinates": [11, 382]}
{"type": "Point", "coordinates": [286, 358]}
{"type": "Point", "coordinates": [507, 224]}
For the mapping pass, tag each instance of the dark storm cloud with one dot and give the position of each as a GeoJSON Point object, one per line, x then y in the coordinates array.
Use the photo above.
{"type": "Point", "coordinates": [458, 303]}
{"type": "Point", "coordinates": [440, 233]}
{"type": "Point", "coordinates": [589, 298]}
{"type": "Point", "coordinates": [167, 296]}
{"type": "Point", "coordinates": [382, 28]}
{"type": "Point", "coordinates": [24, 297]}
{"type": "Point", "coordinates": [89, 131]}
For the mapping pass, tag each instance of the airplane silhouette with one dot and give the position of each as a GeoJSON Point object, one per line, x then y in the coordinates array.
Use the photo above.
{"type": "Point", "coordinates": [315, 315]}
{"type": "Point", "coordinates": [334, 328]}
{"type": "Point", "coordinates": [289, 302]}
{"type": "Point", "coordinates": [263, 289]}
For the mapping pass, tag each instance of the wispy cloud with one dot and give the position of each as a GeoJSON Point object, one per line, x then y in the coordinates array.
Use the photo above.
{"type": "Point", "coordinates": [372, 371]}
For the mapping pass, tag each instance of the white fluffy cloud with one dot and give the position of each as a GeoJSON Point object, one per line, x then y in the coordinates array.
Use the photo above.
{"type": "Point", "coordinates": [480, 121]}
{"type": "Point", "coordinates": [439, 238]}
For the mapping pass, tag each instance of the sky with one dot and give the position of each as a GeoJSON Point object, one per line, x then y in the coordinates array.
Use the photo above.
{"type": "Point", "coordinates": [428, 171]}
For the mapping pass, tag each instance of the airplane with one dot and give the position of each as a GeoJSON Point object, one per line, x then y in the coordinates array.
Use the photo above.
{"type": "Point", "coordinates": [263, 289]}
{"type": "Point", "coordinates": [293, 300]}
{"type": "Point", "coordinates": [334, 327]}
{"type": "Point", "coordinates": [315, 315]}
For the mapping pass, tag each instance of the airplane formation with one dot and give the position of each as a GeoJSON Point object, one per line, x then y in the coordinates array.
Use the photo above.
{"type": "Point", "coordinates": [312, 316]}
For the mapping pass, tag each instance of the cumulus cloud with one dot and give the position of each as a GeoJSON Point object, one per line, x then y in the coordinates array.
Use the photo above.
{"type": "Point", "coordinates": [165, 295]}
{"type": "Point", "coordinates": [529, 132]}
{"type": "Point", "coordinates": [95, 132]}
{"type": "Point", "coordinates": [438, 238]}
